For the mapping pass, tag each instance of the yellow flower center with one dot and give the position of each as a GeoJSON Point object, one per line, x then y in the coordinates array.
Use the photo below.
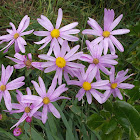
{"type": "Point", "coordinates": [28, 63]}
{"type": "Point", "coordinates": [86, 86]}
{"type": "Point", "coordinates": [46, 100]}
{"type": "Point", "coordinates": [113, 85]}
{"type": "Point", "coordinates": [95, 61]}
{"type": "Point", "coordinates": [27, 109]}
{"type": "Point", "coordinates": [2, 87]}
{"type": "Point", "coordinates": [60, 62]}
{"type": "Point", "coordinates": [55, 33]}
{"type": "Point", "coordinates": [16, 35]}
{"type": "Point", "coordinates": [106, 34]}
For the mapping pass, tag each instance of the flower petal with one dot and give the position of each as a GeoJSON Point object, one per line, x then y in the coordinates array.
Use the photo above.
{"type": "Point", "coordinates": [69, 26]}
{"type": "Point", "coordinates": [89, 97]}
{"type": "Point", "coordinates": [54, 110]}
{"type": "Point", "coordinates": [120, 31]}
{"type": "Point", "coordinates": [44, 113]}
{"type": "Point", "coordinates": [59, 18]}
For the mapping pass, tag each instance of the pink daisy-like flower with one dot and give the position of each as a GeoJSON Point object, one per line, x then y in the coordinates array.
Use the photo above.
{"type": "Point", "coordinates": [59, 34]}
{"type": "Point", "coordinates": [15, 36]}
{"type": "Point", "coordinates": [89, 87]}
{"type": "Point", "coordinates": [45, 99]}
{"type": "Point", "coordinates": [116, 83]}
{"type": "Point", "coordinates": [107, 36]}
{"type": "Point", "coordinates": [22, 61]}
{"type": "Point", "coordinates": [97, 60]}
{"type": "Point", "coordinates": [61, 62]}
{"type": "Point", "coordinates": [23, 107]}
{"type": "Point", "coordinates": [5, 86]}
{"type": "Point", "coordinates": [17, 131]}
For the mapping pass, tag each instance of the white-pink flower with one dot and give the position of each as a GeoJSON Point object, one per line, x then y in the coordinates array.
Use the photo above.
{"type": "Point", "coordinates": [107, 35]}
{"type": "Point", "coordinates": [15, 36]}
{"type": "Point", "coordinates": [23, 107]}
{"type": "Point", "coordinates": [5, 86]}
{"type": "Point", "coordinates": [25, 61]}
{"type": "Point", "coordinates": [45, 99]}
{"type": "Point", "coordinates": [56, 33]}
{"type": "Point", "coordinates": [62, 61]}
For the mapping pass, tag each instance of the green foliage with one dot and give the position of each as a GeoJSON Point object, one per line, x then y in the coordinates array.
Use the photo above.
{"type": "Point", "coordinates": [114, 120]}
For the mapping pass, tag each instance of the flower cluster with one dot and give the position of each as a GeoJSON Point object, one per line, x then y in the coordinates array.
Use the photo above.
{"type": "Point", "coordinates": [62, 59]}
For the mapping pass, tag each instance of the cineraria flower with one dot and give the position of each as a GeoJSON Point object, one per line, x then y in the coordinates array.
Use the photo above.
{"type": "Point", "coordinates": [89, 87]}
{"type": "Point", "coordinates": [52, 33]}
{"type": "Point", "coordinates": [61, 62]}
{"type": "Point", "coordinates": [22, 61]}
{"type": "Point", "coordinates": [15, 36]}
{"type": "Point", "coordinates": [96, 60]}
{"type": "Point", "coordinates": [45, 99]}
{"type": "Point", "coordinates": [5, 87]}
{"type": "Point", "coordinates": [116, 83]}
{"type": "Point", "coordinates": [107, 36]}
{"type": "Point", "coordinates": [23, 107]}
{"type": "Point", "coordinates": [17, 131]}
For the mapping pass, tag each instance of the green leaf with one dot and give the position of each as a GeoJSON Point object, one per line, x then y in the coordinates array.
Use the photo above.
{"type": "Point", "coordinates": [94, 121]}
{"type": "Point", "coordinates": [109, 126]}
{"type": "Point", "coordinates": [127, 116]}
{"type": "Point", "coordinates": [8, 134]}
{"type": "Point", "coordinates": [35, 135]}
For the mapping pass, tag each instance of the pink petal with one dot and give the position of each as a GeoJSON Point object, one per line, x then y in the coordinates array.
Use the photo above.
{"type": "Point", "coordinates": [95, 25]}
{"type": "Point", "coordinates": [44, 113]}
{"type": "Point", "coordinates": [69, 37]}
{"type": "Point", "coordinates": [19, 66]}
{"type": "Point", "coordinates": [117, 43]}
{"type": "Point", "coordinates": [49, 69]}
{"type": "Point", "coordinates": [120, 31]}
{"type": "Point", "coordinates": [72, 51]}
{"type": "Point", "coordinates": [112, 75]}
{"type": "Point", "coordinates": [41, 33]}
{"type": "Point", "coordinates": [111, 46]}
{"type": "Point", "coordinates": [28, 91]}
{"type": "Point", "coordinates": [75, 56]}
{"type": "Point", "coordinates": [13, 26]}
{"type": "Point", "coordinates": [91, 32]}
{"type": "Point", "coordinates": [12, 86]}
{"type": "Point", "coordinates": [8, 73]}
{"type": "Point", "coordinates": [54, 110]}
{"type": "Point", "coordinates": [80, 94]}
{"type": "Point", "coordinates": [105, 70]}
{"type": "Point", "coordinates": [105, 46]}
{"type": "Point", "coordinates": [17, 106]}
{"type": "Point", "coordinates": [89, 97]}
{"type": "Point", "coordinates": [118, 93]}
{"type": "Point", "coordinates": [69, 26]}
{"type": "Point", "coordinates": [21, 44]}
{"type": "Point", "coordinates": [59, 98]}
{"type": "Point", "coordinates": [75, 65]}
{"type": "Point", "coordinates": [46, 57]}
{"type": "Point", "coordinates": [7, 99]}
{"type": "Point", "coordinates": [59, 18]}
{"type": "Point", "coordinates": [38, 89]}
{"type": "Point", "coordinates": [15, 60]}
{"type": "Point", "coordinates": [58, 91]}
{"type": "Point", "coordinates": [96, 41]}
{"type": "Point", "coordinates": [42, 85]}
{"type": "Point", "coordinates": [72, 31]}
{"type": "Point", "coordinates": [26, 33]}
{"type": "Point", "coordinates": [47, 23]}
{"type": "Point", "coordinates": [125, 86]}
{"type": "Point", "coordinates": [115, 22]}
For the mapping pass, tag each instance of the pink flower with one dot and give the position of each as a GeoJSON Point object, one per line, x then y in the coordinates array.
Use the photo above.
{"type": "Point", "coordinates": [28, 119]}
{"type": "Point", "coordinates": [5, 86]}
{"type": "Point", "coordinates": [23, 107]}
{"type": "Point", "coordinates": [17, 131]}
{"type": "Point", "coordinates": [61, 62]}
{"type": "Point", "coordinates": [15, 36]}
{"type": "Point", "coordinates": [22, 61]}
{"type": "Point", "coordinates": [56, 33]}
{"type": "Point", "coordinates": [89, 88]}
{"type": "Point", "coordinates": [116, 83]}
{"type": "Point", "coordinates": [45, 99]}
{"type": "Point", "coordinates": [107, 36]}
{"type": "Point", "coordinates": [97, 60]}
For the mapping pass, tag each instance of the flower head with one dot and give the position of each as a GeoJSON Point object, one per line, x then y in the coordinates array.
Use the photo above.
{"type": "Point", "coordinates": [17, 131]}
{"type": "Point", "coordinates": [5, 86]}
{"type": "Point", "coordinates": [45, 99]}
{"type": "Point", "coordinates": [116, 83]}
{"type": "Point", "coordinates": [107, 35]}
{"type": "Point", "coordinates": [61, 62]}
{"type": "Point", "coordinates": [96, 59]}
{"type": "Point", "coordinates": [89, 88]}
{"type": "Point", "coordinates": [56, 33]}
{"type": "Point", "coordinates": [25, 61]}
{"type": "Point", "coordinates": [15, 36]}
{"type": "Point", "coordinates": [26, 108]}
